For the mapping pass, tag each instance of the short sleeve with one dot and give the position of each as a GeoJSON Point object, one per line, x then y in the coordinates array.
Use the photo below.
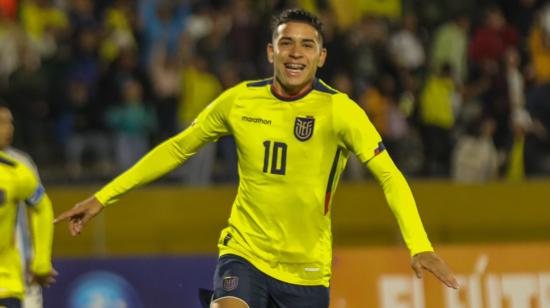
{"type": "Point", "coordinates": [354, 129]}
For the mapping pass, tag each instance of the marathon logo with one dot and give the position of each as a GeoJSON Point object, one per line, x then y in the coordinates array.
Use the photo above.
{"type": "Point", "coordinates": [256, 120]}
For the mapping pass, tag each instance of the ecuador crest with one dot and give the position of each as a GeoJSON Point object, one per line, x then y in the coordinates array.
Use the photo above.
{"type": "Point", "coordinates": [303, 128]}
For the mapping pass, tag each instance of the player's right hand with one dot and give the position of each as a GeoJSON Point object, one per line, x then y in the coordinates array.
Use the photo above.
{"type": "Point", "coordinates": [44, 280]}
{"type": "Point", "coordinates": [80, 214]}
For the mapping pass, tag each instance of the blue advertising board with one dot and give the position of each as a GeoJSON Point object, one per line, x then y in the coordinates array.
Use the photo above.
{"type": "Point", "coordinates": [134, 282]}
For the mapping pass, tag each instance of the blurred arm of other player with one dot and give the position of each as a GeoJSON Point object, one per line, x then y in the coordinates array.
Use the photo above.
{"type": "Point", "coordinates": [401, 201]}
{"type": "Point", "coordinates": [41, 217]}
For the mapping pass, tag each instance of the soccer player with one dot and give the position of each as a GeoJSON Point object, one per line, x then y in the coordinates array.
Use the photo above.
{"type": "Point", "coordinates": [18, 183]}
{"type": "Point", "coordinates": [293, 134]}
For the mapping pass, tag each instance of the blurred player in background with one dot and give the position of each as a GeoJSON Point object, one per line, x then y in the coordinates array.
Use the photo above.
{"type": "Point", "coordinates": [294, 135]}
{"type": "Point", "coordinates": [25, 262]}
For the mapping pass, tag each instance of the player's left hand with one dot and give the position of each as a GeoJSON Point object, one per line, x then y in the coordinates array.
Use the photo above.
{"type": "Point", "coordinates": [44, 280]}
{"type": "Point", "coordinates": [433, 263]}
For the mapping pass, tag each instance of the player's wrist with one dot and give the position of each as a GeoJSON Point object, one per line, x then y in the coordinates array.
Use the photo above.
{"type": "Point", "coordinates": [101, 199]}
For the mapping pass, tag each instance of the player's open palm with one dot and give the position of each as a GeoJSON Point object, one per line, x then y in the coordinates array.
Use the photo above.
{"type": "Point", "coordinates": [433, 263]}
{"type": "Point", "coordinates": [80, 214]}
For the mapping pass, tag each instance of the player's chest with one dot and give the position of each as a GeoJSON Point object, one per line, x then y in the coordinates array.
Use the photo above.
{"type": "Point", "coordinates": [295, 123]}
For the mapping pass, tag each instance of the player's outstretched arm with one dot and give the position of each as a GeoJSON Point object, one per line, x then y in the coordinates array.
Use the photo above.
{"type": "Point", "coordinates": [432, 263]}
{"type": "Point", "coordinates": [80, 214]}
{"type": "Point", "coordinates": [401, 201]}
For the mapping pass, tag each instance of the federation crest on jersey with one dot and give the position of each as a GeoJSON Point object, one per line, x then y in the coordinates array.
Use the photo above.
{"type": "Point", "coordinates": [230, 283]}
{"type": "Point", "coordinates": [303, 128]}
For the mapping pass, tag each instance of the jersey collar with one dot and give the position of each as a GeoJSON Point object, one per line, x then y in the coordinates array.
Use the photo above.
{"type": "Point", "coordinates": [294, 97]}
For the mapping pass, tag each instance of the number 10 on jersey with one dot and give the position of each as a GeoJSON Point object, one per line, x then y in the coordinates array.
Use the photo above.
{"type": "Point", "coordinates": [276, 156]}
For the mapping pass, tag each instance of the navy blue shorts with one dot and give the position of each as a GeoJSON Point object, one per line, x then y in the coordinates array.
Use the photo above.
{"type": "Point", "coordinates": [10, 302]}
{"type": "Point", "coordinates": [236, 277]}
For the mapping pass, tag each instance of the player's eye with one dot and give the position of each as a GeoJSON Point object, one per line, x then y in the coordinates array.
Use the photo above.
{"type": "Point", "coordinates": [285, 42]}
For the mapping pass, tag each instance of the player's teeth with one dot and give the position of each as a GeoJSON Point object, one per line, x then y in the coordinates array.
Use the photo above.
{"type": "Point", "coordinates": [295, 66]}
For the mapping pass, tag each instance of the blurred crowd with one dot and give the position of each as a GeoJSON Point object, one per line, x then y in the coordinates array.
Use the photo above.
{"type": "Point", "coordinates": [458, 90]}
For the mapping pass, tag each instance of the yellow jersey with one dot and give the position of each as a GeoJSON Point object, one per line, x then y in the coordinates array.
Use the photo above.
{"type": "Point", "coordinates": [291, 153]}
{"type": "Point", "coordinates": [19, 184]}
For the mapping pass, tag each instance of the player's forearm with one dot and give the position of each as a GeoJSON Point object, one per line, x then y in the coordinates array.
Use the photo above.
{"type": "Point", "coordinates": [401, 201]}
{"type": "Point", "coordinates": [158, 162]}
{"type": "Point", "coordinates": [42, 231]}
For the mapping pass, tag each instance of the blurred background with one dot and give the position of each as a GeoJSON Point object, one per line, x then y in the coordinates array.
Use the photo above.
{"type": "Point", "coordinates": [459, 90]}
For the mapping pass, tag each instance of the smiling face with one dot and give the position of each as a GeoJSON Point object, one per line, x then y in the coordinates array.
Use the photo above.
{"type": "Point", "coordinates": [6, 128]}
{"type": "Point", "coordinates": [296, 52]}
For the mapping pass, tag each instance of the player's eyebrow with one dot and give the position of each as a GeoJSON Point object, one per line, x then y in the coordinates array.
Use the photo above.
{"type": "Point", "coordinates": [308, 40]}
{"type": "Point", "coordinates": [304, 40]}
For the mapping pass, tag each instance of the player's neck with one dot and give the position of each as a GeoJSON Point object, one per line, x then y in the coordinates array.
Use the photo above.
{"type": "Point", "coordinates": [287, 93]}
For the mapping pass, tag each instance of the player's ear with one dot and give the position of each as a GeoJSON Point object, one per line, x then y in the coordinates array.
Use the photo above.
{"type": "Point", "coordinates": [322, 57]}
{"type": "Point", "coordinates": [270, 52]}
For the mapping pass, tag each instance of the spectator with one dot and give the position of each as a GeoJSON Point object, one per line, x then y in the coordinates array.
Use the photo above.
{"type": "Point", "coordinates": [124, 67]}
{"type": "Point", "coordinates": [28, 97]}
{"type": "Point", "coordinates": [493, 38]}
{"type": "Point", "coordinates": [450, 45]}
{"type": "Point", "coordinates": [211, 45]}
{"type": "Point", "coordinates": [132, 121]}
{"type": "Point", "coordinates": [380, 102]}
{"type": "Point", "coordinates": [521, 13]}
{"type": "Point", "coordinates": [368, 42]}
{"type": "Point", "coordinates": [244, 37]}
{"type": "Point", "coordinates": [81, 15]}
{"type": "Point", "coordinates": [539, 47]}
{"type": "Point", "coordinates": [118, 23]}
{"type": "Point", "coordinates": [163, 23]}
{"type": "Point", "coordinates": [437, 119]}
{"type": "Point", "coordinates": [475, 158]}
{"type": "Point", "coordinates": [165, 72]}
{"type": "Point", "coordinates": [537, 143]}
{"type": "Point", "coordinates": [8, 9]}
{"type": "Point", "coordinates": [82, 132]}
{"type": "Point", "coordinates": [200, 87]}
{"type": "Point", "coordinates": [44, 24]}
{"type": "Point", "coordinates": [11, 37]}
{"type": "Point", "coordinates": [405, 45]}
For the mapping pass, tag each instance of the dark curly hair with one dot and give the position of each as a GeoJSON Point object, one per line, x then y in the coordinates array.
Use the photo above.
{"type": "Point", "coordinates": [297, 15]}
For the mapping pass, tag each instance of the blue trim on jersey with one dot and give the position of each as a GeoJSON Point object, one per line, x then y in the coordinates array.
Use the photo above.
{"type": "Point", "coordinates": [260, 83]}
{"type": "Point", "coordinates": [8, 162]}
{"type": "Point", "coordinates": [316, 85]}
{"type": "Point", "coordinates": [37, 196]}
{"type": "Point", "coordinates": [381, 147]}
{"type": "Point", "coordinates": [333, 171]}
{"type": "Point", "coordinates": [290, 98]}
{"type": "Point", "coordinates": [328, 194]}
{"type": "Point", "coordinates": [319, 86]}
